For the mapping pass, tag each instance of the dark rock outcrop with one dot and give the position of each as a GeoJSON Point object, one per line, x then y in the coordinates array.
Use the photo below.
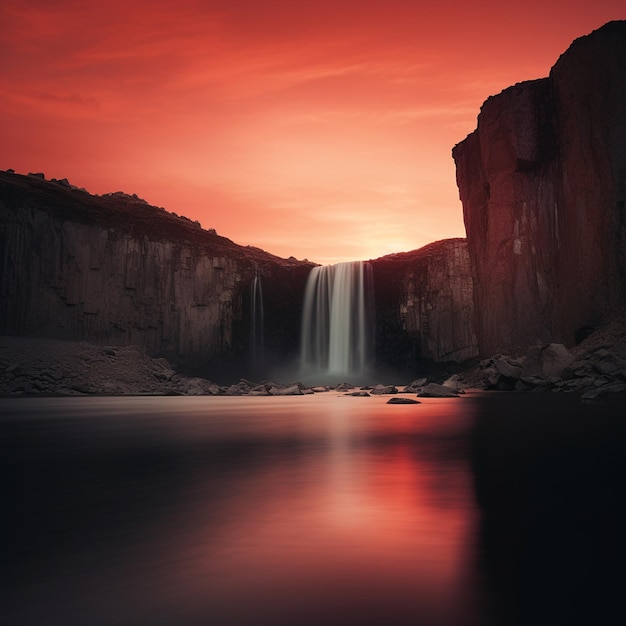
{"type": "Point", "coordinates": [593, 369]}
{"type": "Point", "coordinates": [424, 305]}
{"type": "Point", "coordinates": [543, 186]}
{"type": "Point", "coordinates": [113, 269]}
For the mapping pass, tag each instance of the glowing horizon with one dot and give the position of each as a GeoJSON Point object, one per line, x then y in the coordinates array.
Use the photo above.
{"type": "Point", "coordinates": [309, 130]}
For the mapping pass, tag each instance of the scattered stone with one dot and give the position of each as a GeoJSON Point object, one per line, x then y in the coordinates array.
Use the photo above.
{"type": "Point", "coordinates": [552, 360]}
{"type": "Point", "coordinates": [507, 368]}
{"type": "Point", "coordinates": [164, 375]}
{"type": "Point", "coordinates": [454, 383]}
{"type": "Point", "coordinates": [358, 394]}
{"type": "Point", "coordinates": [289, 390]}
{"type": "Point", "coordinates": [383, 389]}
{"type": "Point", "coordinates": [416, 385]}
{"type": "Point", "coordinates": [433, 390]}
{"type": "Point", "coordinates": [344, 387]}
{"type": "Point", "coordinates": [402, 401]}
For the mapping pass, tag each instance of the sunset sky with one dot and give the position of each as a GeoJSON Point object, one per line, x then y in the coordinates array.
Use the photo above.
{"type": "Point", "coordinates": [310, 129]}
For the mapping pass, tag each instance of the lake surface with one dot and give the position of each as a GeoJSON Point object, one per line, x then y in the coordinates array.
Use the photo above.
{"type": "Point", "coordinates": [311, 510]}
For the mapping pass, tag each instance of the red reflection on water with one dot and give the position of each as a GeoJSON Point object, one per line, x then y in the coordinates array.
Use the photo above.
{"type": "Point", "coordinates": [379, 523]}
{"type": "Point", "coordinates": [310, 511]}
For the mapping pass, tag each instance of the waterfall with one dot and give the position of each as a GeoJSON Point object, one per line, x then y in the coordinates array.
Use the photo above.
{"type": "Point", "coordinates": [337, 328]}
{"type": "Point", "coordinates": [256, 320]}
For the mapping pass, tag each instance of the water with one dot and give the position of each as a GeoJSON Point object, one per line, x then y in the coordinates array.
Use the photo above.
{"type": "Point", "coordinates": [320, 510]}
{"type": "Point", "coordinates": [337, 331]}
{"type": "Point", "coordinates": [256, 322]}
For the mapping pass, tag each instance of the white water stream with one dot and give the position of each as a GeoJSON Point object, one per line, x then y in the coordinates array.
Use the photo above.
{"type": "Point", "coordinates": [337, 336]}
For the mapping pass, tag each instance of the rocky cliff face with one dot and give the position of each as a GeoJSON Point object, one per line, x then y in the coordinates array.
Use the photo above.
{"type": "Point", "coordinates": [543, 186]}
{"type": "Point", "coordinates": [424, 305]}
{"type": "Point", "coordinates": [113, 269]}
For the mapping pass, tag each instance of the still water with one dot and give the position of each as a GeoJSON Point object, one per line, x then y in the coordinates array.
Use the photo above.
{"type": "Point", "coordinates": [301, 511]}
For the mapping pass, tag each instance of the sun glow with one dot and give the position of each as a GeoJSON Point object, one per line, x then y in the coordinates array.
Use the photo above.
{"type": "Point", "coordinates": [311, 130]}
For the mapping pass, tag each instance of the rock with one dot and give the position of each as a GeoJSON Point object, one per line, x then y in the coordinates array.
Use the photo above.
{"type": "Point", "coordinates": [289, 390]}
{"type": "Point", "coordinates": [533, 381]}
{"type": "Point", "coordinates": [383, 389]}
{"type": "Point", "coordinates": [196, 387]}
{"type": "Point", "coordinates": [358, 394]}
{"type": "Point", "coordinates": [424, 304]}
{"type": "Point", "coordinates": [88, 267]}
{"type": "Point", "coordinates": [454, 383]}
{"type": "Point", "coordinates": [344, 387]}
{"type": "Point", "coordinates": [319, 389]}
{"type": "Point", "coordinates": [549, 361]}
{"type": "Point", "coordinates": [402, 401]}
{"type": "Point", "coordinates": [540, 184]}
{"type": "Point", "coordinates": [416, 385]}
{"type": "Point", "coordinates": [234, 390]}
{"type": "Point", "coordinates": [606, 366]}
{"type": "Point", "coordinates": [433, 390]}
{"type": "Point", "coordinates": [506, 367]}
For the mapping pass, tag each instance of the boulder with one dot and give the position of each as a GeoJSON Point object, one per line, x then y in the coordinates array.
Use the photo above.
{"type": "Point", "coordinates": [383, 389]}
{"type": "Point", "coordinates": [416, 385]}
{"type": "Point", "coordinates": [454, 383]}
{"type": "Point", "coordinates": [550, 361]}
{"type": "Point", "coordinates": [344, 387]}
{"type": "Point", "coordinates": [433, 390]}
{"type": "Point", "coordinates": [287, 390]}
{"type": "Point", "coordinates": [402, 401]}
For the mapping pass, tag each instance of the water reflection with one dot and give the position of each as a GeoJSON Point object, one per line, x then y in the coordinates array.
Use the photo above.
{"type": "Point", "coordinates": [550, 475]}
{"type": "Point", "coordinates": [321, 510]}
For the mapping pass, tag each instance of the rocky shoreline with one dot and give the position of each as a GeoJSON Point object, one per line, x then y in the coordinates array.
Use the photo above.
{"type": "Point", "coordinates": [48, 367]}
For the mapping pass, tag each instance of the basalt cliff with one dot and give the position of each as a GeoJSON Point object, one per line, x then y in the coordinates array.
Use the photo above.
{"type": "Point", "coordinates": [543, 185]}
{"type": "Point", "coordinates": [114, 270]}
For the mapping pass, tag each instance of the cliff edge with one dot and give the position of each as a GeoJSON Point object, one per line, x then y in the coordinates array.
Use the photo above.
{"type": "Point", "coordinates": [113, 269]}
{"type": "Point", "coordinates": [543, 185]}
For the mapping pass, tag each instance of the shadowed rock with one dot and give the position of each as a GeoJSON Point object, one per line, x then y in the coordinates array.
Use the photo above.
{"type": "Point", "coordinates": [402, 401]}
{"type": "Point", "coordinates": [433, 390]}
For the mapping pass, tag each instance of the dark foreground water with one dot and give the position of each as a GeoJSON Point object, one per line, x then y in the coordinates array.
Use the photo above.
{"type": "Point", "coordinates": [318, 510]}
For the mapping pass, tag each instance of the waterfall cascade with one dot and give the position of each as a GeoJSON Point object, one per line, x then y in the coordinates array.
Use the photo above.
{"type": "Point", "coordinates": [337, 322]}
{"type": "Point", "coordinates": [256, 320]}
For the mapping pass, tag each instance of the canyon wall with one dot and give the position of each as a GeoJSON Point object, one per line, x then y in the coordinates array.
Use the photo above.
{"type": "Point", "coordinates": [543, 186]}
{"type": "Point", "coordinates": [115, 270]}
{"type": "Point", "coordinates": [424, 306]}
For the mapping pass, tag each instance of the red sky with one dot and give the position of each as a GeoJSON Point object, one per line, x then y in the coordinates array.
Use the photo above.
{"type": "Point", "coordinates": [314, 129]}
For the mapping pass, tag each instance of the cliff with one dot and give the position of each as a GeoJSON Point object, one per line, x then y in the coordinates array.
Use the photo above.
{"type": "Point", "coordinates": [543, 185]}
{"type": "Point", "coordinates": [113, 269]}
{"type": "Point", "coordinates": [424, 305]}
